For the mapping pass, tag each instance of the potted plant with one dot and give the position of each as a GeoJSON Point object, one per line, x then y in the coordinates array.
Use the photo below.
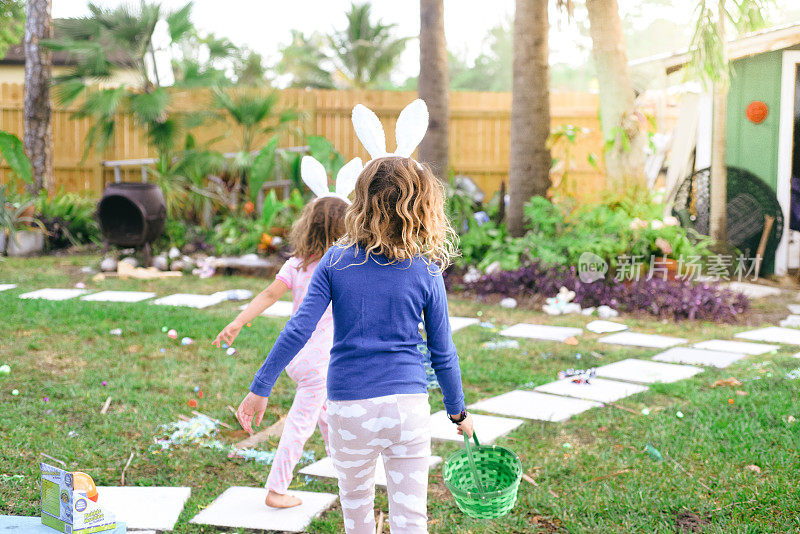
{"type": "Point", "coordinates": [20, 233]}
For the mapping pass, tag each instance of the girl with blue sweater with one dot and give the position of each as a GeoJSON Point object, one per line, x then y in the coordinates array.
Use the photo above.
{"type": "Point", "coordinates": [381, 279]}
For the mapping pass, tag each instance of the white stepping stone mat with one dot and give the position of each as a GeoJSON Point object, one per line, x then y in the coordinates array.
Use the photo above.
{"type": "Point", "coordinates": [713, 358]}
{"type": "Point", "coordinates": [144, 507]}
{"type": "Point", "coordinates": [6, 287]}
{"type": "Point", "coordinates": [534, 405]}
{"type": "Point", "coordinates": [282, 308]}
{"type": "Point", "coordinates": [241, 507]}
{"type": "Point", "coordinates": [772, 334]}
{"type": "Point", "coordinates": [540, 331]}
{"type": "Point", "coordinates": [792, 321]}
{"type": "Point", "coordinates": [324, 468]}
{"type": "Point", "coordinates": [755, 291]}
{"type": "Point", "coordinates": [488, 427]}
{"type": "Point", "coordinates": [637, 339]}
{"type": "Point", "coordinates": [647, 372]}
{"type": "Point", "coordinates": [457, 323]}
{"type": "Point", "coordinates": [53, 294]}
{"type": "Point", "coordinates": [190, 300]}
{"type": "Point", "coordinates": [605, 327]}
{"type": "Point", "coordinates": [119, 296]}
{"type": "Point", "coordinates": [742, 347]}
{"type": "Point", "coordinates": [599, 389]}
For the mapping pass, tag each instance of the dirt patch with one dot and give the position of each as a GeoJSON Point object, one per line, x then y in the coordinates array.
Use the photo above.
{"type": "Point", "coordinates": [547, 524]}
{"type": "Point", "coordinates": [58, 363]}
{"type": "Point", "coordinates": [688, 521]}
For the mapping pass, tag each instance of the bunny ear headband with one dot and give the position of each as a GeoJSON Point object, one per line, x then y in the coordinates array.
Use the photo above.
{"type": "Point", "coordinates": [411, 127]}
{"type": "Point", "coordinates": [313, 174]}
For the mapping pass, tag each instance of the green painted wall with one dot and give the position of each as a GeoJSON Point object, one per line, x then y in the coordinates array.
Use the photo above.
{"type": "Point", "coordinates": [755, 146]}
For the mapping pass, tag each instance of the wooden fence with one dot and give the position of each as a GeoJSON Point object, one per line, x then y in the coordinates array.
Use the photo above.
{"type": "Point", "coordinates": [479, 133]}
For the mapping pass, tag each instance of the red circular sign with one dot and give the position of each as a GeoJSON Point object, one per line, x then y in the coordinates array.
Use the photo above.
{"type": "Point", "coordinates": [757, 111]}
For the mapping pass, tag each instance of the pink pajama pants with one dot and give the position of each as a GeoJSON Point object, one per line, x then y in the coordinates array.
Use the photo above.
{"type": "Point", "coordinates": [397, 428]}
{"type": "Point", "coordinates": [309, 371]}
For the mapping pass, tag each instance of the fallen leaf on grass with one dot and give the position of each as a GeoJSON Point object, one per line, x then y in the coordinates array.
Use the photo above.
{"type": "Point", "coordinates": [754, 468]}
{"type": "Point", "coordinates": [730, 382]}
{"type": "Point", "coordinates": [571, 341]}
{"type": "Point", "coordinates": [741, 392]}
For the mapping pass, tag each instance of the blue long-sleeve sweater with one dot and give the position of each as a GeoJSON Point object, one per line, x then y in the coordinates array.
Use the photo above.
{"type": "Point", "coordinates": [377, 308]}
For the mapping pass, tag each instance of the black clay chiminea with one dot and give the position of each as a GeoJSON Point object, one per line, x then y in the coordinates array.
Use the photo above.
{"type": "Point", "coordinates": [132, 214]}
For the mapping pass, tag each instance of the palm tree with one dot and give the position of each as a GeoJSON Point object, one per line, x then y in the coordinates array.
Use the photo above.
{"type": "Point", "coordinates": [364, 53]}
{"type": "Point", "coordinates": [710, 61]}
{"type": "Point", "coordinates": [433, 85]}
{"type": "Point", "coordinates": [529, 169]}
{"type": "Point", "coordinates": [37, 113]}
{"type": "Point", "coordinates": [305, 60]}
{"type": "Point", "coordinates": [622, 130]}
{"type": "Point", "coordinates": [102, 44]}
{"type": "Point", "coordinates": [256, 117]}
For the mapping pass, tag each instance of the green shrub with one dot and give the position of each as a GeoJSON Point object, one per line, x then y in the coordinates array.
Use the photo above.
{"type": "Point", "coordinates": [68, 219]}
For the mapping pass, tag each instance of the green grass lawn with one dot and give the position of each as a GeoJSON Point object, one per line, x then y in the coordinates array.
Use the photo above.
{"type": "Point", "coordinates": [591, 472]}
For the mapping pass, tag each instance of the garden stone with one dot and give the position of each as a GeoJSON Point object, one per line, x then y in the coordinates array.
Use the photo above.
{"type": "Point", "coordinates": [598, 389]}
{"type": "Point", "coordinates": [538, 331]}
{"type": "Point", "coordinates": [741, 347]}
{"type": "Point", "coordinates": [534, 405]}
{"type": "Point", "coordinates": [174, 253]}
{"type": "Point", "coordinates": [161, 263]}
{"type": "Point", "coordinates": [488, 427]}
{"type": "Point", "coordinates": [472, 275]}
{"type": "Point", "coordinates": [647, 372]}
{"type": "Point", "coordinates": [108, 265]}
{"type": "Point", "coordinates": [53, 294]}
{"type": "Point", "coordinates": [457, 323]}
{"type": "Point", "coordinates": [791, 321]}
{"type": "Point", "coordinates": [177, 265]}
{"type": "Point", "coordinates": [324, 468]}
{"type": "Point", "coordinates": [508, 303]}
{"type": "Point", "coordinates": [606, 312]}
{"type": "Point", "coordinates": [772, 334]}
{"type": "Point", "coordinates": [190, 300]}
{"type": "Point", "coordinates": [714, 358]}
{"type": "Point", "coordinates": [190, 248]}
{"type": "Point", "coordinates": [754, 291]}
{"type": "Point", "coordinates": [638, 339]}
{"type": "Point", "coordinates": [794, 308]}
{"type": "Point", "coordinates": [493, 268]}
{"type": "Point", "coordinates": [133, 262]}
{"type": "Point", "coordinates": [119, 296]}
{"type": "Point", "coordinates": [145, 507]}
{"type": "Point", "coordinates": [241, 507]}
{"type": "Point", "coordinates": [604, 327]}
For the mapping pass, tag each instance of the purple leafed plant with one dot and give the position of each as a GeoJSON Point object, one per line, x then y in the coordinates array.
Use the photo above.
{"type": "Point", "coordinates": [667, 299]}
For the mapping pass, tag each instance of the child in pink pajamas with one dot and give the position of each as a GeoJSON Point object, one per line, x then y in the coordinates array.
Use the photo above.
{"type": "Point", "coordinates": [319, 226]}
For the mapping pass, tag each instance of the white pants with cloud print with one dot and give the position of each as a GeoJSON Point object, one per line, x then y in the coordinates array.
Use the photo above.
{"type": "Point", "coordinates": [397, 428]}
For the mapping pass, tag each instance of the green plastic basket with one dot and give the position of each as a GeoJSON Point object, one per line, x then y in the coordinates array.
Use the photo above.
{"type": "Point", "coordinates": [483, 479]}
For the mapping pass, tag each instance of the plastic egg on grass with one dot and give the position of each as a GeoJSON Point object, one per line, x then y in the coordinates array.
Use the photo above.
{"type": "Point", "coordinates": [231, 351]}
{"type": "Point", "coordinates": [5, 370]}
{"type": "Point", "coordinates": [187, 341]}
{"type": "Point", "coordinates": [172, 334]}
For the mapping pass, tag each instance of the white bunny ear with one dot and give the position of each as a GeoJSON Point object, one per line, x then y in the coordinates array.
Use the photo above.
{"type": "Point", "coordinates": [313, 174]}
{"type": "Point", "coordinates": [369, 131]}
{"type": "Point", "coordinates": [411, 127]}
{"type": "Point", "coordinates": [346, 179]}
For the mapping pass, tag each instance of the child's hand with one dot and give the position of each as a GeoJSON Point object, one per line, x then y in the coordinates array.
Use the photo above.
{"type": "Point", "coordinates": [228, 334]}
{"type": "Point", "coordinates": [466, 426]}
{"type": "Point", "coordinates": [251, 410]}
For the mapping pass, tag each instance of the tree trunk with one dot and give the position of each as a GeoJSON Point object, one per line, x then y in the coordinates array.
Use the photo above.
{"type": "Point", "coordinates": [529, 168]}
{"type": "Point", "coordinates": [625, 157]}
{"type": "Point", "coordinates": [433, 86]}
{"type": "Point", "coordinates": [38, 135]}
{"type": "Point", "coordinates": [718, 223]}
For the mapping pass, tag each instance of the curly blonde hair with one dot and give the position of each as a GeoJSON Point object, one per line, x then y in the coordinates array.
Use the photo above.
{"type": "Point", "coordinates": [320, 225]}
{"type": "Point", "coordinates": [398, 212]}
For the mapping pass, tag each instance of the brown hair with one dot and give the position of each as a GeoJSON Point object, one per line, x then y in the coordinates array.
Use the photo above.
{"type": "Point", "coordinates": [321, 223]}
{"type": "Point", "coordinates": [398, 211]}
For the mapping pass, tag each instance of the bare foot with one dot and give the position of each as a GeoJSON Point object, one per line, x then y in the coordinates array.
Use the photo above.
{"type": "Point", "coordinates": [277, 500]}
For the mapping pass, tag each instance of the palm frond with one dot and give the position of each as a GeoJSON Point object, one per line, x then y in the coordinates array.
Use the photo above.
{"type": "Point", "coordinates": [149, 107]}
{"type": "Point", "coordinates": [180, 23]}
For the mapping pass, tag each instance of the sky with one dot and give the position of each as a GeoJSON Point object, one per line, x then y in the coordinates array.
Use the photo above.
{"type": "Point", "coordinates": [264, 25]}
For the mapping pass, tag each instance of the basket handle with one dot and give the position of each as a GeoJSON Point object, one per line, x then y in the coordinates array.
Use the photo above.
{"type": "Point", "coordinates": [472, 467]}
